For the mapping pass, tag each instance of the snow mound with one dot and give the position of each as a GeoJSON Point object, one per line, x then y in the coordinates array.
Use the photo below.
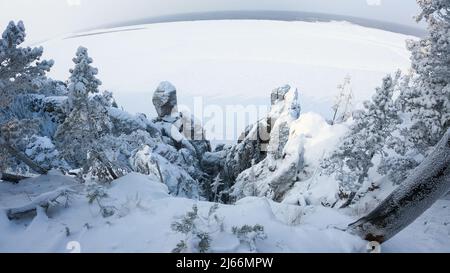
{"type": "Point", "coordinates": [319, 136]}
{"type": "Point", "coordinates": [136, 185]}
{"type": "Point", "coordinates": [12, 195]}
{"type": "Point", "coordinates": [145, 212]}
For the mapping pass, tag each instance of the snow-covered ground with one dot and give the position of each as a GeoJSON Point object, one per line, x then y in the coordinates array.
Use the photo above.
{"type": "Point", "coordinates": [145, 212]}
{"type": "Point", "coordinates": [235, 62]}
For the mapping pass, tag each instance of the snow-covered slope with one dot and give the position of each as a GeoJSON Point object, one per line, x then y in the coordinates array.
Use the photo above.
{"type": "Point", "coordinates": [144, 215]}
{"type": "Point", "coordinates": [145, 212]}
{"type": "Point", "coordinates": [235, 62]}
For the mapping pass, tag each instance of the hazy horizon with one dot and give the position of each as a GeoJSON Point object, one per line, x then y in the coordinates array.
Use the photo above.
{"type": "Point", "coordinates": [45, 19]}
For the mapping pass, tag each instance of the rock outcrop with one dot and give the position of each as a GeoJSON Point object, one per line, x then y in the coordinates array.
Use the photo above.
{"type": "Point", "coordinates": [260, 164]}
{"type": "Point", "coordinates": [276, 173]}
{"type": "Point", "coordinates": [165, 99]}
{"type": "Point", "coordinates": [182, 131]}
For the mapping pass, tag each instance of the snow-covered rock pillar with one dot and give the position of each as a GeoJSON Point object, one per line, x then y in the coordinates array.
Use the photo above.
{"type": "Point", "coordinates": [165, 99]}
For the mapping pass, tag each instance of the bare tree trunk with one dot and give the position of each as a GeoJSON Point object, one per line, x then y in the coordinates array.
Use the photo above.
{"type": "Point", "coordinates": [159, 171]}
{"type": "Point", "coordinates": [22, 157]}
{"type": "Point", "coordinates": [427, 183]}
{"type": "Point", "coordinates": [106, 163]}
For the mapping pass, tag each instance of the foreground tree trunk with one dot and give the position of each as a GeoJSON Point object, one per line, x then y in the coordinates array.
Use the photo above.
{"type": "Point", "coordinates": [427, 183]}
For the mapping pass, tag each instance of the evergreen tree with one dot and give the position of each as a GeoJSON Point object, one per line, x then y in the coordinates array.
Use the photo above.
{"type": "Point", "coordinates": [352, 160]}
{"type": "Point", "coordinates": [88, 119]}
{"type": "Point", "coordinates": [20, 67]}
{"type": "Point", "coordinates": [21, 72]}
{"type": "Point", "coordinates": [424, 96]}
{"type": "Point", "coordinates": [427, 97]}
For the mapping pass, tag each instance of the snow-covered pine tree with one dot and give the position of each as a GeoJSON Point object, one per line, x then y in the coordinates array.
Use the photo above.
{"type": "Point", "coordinates": [21, 72]}
{"type": "Point", "coordinates": [83, 81]}
{"type": "Point", "coordinates": [424, 95]}
{"type": "Point", "coordinates": [20, 67]}
{"type": "Point", "coordinates": [352, 160]}
{"type": "Point", "coordinates": [426, 184]}
{"type": "Point", "coordinates": [427, 97]}
{"type": "Point", "coordinates": [88, 119]}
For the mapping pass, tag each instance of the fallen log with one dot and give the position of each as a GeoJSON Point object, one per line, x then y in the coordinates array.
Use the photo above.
{"type": "Point", "coordinates": [13, 178]}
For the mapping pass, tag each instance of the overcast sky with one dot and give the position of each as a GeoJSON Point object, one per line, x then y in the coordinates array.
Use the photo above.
{"type": "Point", "coordinates": [47, 18]}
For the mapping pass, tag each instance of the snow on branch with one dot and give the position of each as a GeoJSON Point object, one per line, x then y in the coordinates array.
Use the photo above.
{"type": "Point", "coordinates": [426, 184]}
{"type": "Point", "coordinates": [44, 200]}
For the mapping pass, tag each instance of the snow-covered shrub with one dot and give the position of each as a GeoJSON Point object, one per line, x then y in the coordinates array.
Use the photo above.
{"type": "Point", "coordinates": [142, 152]}
{"type": "Point", "coordinates": [197, 230]}
{"type": "Point", "coordinates": [95, 193]}
{"type": "Point", "coordinates": [43, 152]}
{"type": "Point", "coordinates": [17, 133]}
{"type": "Point", "coordinates": [397, 168]}
{"type": "Point", "coordinates": [147, 161]}
{"type": "Point", "coordinates": [249, 235]}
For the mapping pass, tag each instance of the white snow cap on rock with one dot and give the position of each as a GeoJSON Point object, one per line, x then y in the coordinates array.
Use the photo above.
{"type": "Point", "coordinates": [166, 87]}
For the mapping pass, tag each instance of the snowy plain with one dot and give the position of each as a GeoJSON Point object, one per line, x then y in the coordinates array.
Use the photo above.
{"type": "Point", "coordinates": [235, 62]}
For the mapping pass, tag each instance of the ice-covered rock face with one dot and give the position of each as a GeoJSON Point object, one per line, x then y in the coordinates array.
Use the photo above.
{"type": "Point", "coordinates": [276, 173]}
{"type": "Point", "coordinates": [165, 99]}
{"type": "Point", "coordinates": [260, 153]}
{"type": "Point", "coordinates": [279, 93]}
